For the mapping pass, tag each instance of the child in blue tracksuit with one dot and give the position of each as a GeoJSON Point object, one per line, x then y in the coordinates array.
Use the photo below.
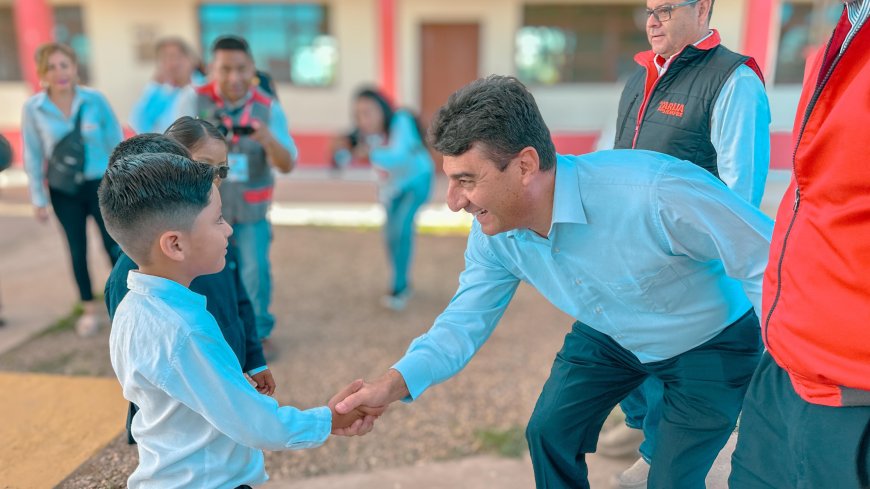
{"type": "Point", "coordinates": [395, 146]}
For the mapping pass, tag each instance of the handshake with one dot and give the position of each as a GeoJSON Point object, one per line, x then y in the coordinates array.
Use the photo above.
{"type": "Point", "coordinates": [356, 407]}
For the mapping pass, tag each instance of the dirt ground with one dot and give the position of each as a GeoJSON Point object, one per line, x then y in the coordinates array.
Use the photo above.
{"type": "Point", "coordinates": [331, 329]}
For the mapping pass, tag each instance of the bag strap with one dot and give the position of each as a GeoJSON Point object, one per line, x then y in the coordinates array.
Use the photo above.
{"type": "Point", "coordinates": [78, 123]}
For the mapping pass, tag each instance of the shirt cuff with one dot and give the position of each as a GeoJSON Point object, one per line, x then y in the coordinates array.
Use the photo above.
{"type": "Point", "coordinates": [418, 377]}
{"type": "Point", "coordinates": [257, 370]}
{"type": "Point", "coordinates": [321, 428]}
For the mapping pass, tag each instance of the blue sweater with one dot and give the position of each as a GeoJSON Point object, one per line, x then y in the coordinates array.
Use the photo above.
{"type": "Point", "coordinates": [226, 300]}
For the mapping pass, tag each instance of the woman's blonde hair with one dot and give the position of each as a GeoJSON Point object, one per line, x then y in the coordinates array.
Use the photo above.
{"type": "Point", "coordinates": [46, 50]}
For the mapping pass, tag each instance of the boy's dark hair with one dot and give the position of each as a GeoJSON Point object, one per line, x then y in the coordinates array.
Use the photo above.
{"type": "Point", "coordinates": [498, 112]}
{"type": "Point", "coordinates": [149, 142]}
{"type": "Point", "coordinates": [144, 195]}
{"type": "Point", "coordinates": [190, 132]}
{"type": "Point", "coordinates": [231, 43]}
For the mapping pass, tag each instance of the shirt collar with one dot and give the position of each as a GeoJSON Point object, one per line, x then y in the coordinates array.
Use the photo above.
{"type": "Point", "coordinates": [857, 12]}
{"type": "Point", "coordinates": [44, 102]}
{"type": "Point", "coordinates": [709, 41]}
{"type": "Point", "coordinates": [238, 103]}
{"type": "Point", "coordinates": [163, 288]}
{"type": "Point", "coordinates": [567, 204]}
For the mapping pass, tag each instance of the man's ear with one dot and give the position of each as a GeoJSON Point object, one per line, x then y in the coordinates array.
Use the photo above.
{"type": "Point", "coordinates": [704, 7]}
{"type": "Point", "coordinates": [529, 163]}
{"type": "Point", "coordinates": [172, 245]}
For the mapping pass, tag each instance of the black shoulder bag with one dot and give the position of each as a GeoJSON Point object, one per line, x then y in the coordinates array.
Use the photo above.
{"type": "Point", "coordinates": [66, 166]}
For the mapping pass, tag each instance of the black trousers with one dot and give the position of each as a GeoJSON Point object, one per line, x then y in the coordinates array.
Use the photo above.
{"type": "Point", "coordinates": [786, 442]}
{"type": "Point", "coordinates": [72, 211]}
{"type": "Point", "coordinates": [703, 392]}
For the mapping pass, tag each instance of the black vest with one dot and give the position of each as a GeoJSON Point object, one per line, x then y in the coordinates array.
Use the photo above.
{"type": "Point", "coordinates": [677, 117]}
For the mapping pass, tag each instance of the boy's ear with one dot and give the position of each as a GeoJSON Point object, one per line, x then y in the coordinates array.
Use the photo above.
{"type": "Point", "coordinates": [171, 244]}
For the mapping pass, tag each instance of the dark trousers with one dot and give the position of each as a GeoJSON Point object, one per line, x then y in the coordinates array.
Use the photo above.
{"type": "Point", "coordinates": [703, 393]}
{"type": "Point", "coordinates": [786, 442]}
{"type": "Point", "coordinates": [72, 211]}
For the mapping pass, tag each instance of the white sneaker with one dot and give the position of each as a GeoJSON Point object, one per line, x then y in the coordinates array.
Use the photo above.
{"type": "Point", "coordinates": [634, 477]}
{"type": "Point", "coordinates": [619, 441]}
{"type": "Point", "coordinates": [87, 325]}
{"type": "Point", "coordinates": [397, 302]}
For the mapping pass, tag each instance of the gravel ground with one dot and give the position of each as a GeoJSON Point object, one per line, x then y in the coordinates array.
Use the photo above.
{"type": "Point", "coordinates": [331, 330]}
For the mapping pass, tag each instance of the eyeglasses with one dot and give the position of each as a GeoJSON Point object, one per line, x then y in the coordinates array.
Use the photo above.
{"type": "Point", "coordinates": [223, 171]}
{"type": "Point", "coordinates": [663, 13]}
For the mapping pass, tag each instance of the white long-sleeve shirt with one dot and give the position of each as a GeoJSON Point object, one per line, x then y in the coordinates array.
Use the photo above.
{"type": "Point", "coordinates": [200, 423]}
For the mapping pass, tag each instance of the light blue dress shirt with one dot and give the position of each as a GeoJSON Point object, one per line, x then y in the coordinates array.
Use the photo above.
{"type": "Point", "coordinates": [200, 423]}
{"type": "Point", "coordinates": [740, 132]}
{"type": "Point", "coordinates": [404, 158]}
{"type": "Point", "coordinates": [657, 254]}
{"type": "Point", "coordinates": [43, 125]}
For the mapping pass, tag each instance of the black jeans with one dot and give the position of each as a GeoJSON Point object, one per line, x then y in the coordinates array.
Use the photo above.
{"type": "Point", "coordinates": [72, 211]}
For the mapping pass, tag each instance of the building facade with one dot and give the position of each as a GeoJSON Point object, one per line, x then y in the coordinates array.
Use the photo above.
{"type": "Point", "coordinates": [573, 54]}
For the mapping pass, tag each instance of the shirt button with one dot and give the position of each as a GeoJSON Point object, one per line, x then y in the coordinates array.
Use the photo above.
{"type": "Point", "coordinates": [598, 310]}
{"type": "Point", "coordinates": [578, 281]}
{"type": "Point", "coordinates": [555, 250]}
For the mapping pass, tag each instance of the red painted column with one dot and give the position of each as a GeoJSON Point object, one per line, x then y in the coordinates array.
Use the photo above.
{"type": "Point", "coordinates": [758, 31]}
{"type": "Point", "coordinates": [387, 45]}
{"type": "Point", "coordinates": [34, 23]}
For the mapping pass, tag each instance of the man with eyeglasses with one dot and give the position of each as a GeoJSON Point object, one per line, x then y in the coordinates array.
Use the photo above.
{"type": "Point", "coordinates": [694, 99]}
{"type": "Point", "coordinates": [806, 417]}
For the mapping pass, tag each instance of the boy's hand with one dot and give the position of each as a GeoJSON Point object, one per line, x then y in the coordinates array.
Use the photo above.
{"type": "Point", "coordinates": [265, 382]}
{"type": "Point", "coordinates": [359, 420]}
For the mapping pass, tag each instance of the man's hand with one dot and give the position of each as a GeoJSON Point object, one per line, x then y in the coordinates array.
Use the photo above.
{"type": "Point", "coordinates": [265, 382]}
{"type": "Point", "coordinates": [276, 153]}
{"type": "Point", "coordinates": [357, 421]}
{"type": "Point", "coordinates": [375, 395]}
{"type": "Point", "coordinates": [41, 214]}
{"type": "Point", "coordinates": [261, 133]}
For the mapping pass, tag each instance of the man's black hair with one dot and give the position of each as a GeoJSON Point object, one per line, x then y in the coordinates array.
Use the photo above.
{"type": "Point", "coordinates": [231, 43]}
{"type": "Point", "coordinates": [499, 113]}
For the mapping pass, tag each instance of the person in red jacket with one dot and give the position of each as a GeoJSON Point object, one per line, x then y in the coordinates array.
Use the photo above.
{"type": "Point", "coordinates": [806, 417]}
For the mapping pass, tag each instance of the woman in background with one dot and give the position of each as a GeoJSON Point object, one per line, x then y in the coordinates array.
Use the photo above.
{"type": "Point", "coordinates": [47, 118]}
{"type": "Point", "coordinates": [393, 143]}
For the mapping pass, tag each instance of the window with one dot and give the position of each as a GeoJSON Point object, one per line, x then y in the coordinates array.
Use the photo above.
{"type": "Point", "coordinates": [10, 66]}
{"type": "Point", "coordinates": [578, 43]}
{"type": "Point", "coordinates": [290, 42]}
{"type": "Point", "coordinates": [69, 29]}
{"type": "Point", "coordinates": [803, 25]}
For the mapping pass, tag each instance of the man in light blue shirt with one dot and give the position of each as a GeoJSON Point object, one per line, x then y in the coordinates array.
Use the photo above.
{"type": "Point", "coordinates": [174, 80]}
{"type": "Point", "coordinates": [659, 262]}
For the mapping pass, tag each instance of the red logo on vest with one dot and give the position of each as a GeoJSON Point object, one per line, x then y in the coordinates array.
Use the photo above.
{"type": "Point", "coordinates": [672, 108]}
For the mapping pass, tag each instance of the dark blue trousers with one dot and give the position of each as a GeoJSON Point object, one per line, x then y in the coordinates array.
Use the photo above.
{"type": "Point", "coordinates": [703, 394]}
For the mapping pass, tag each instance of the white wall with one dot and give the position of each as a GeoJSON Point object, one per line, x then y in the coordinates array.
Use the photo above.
{"type": "Point", "coordinates": [111, 26]}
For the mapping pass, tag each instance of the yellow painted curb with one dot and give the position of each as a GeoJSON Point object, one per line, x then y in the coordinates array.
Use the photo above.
{"type": "Point", "coordinates": [50, 424]}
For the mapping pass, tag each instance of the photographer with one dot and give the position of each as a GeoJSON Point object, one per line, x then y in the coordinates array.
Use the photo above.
{"type": "Point", "coordinates": [259, 139]}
